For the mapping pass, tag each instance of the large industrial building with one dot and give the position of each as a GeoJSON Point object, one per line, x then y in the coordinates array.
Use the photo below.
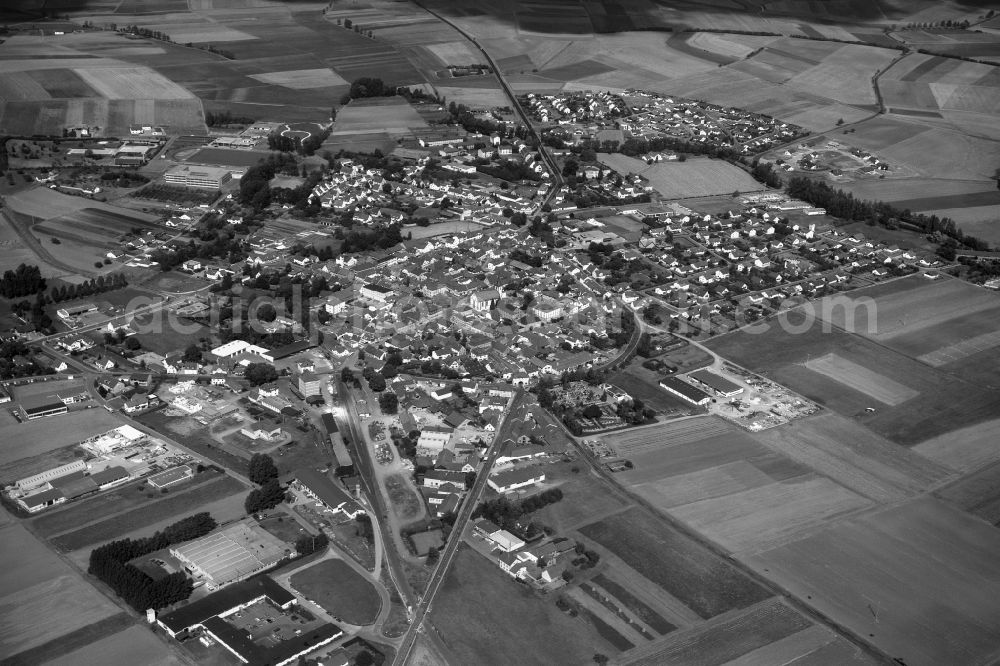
{"type": "Point", "coordinates": [682, 389]}
{"type": "Point", "coordinates": [231, 555]}
{"type": "Point", "coordinates": [200, 176]}
{"type": "Point", "coordinates": [255, 620]}
{"type": "Point", "coordinates": [720, 385]}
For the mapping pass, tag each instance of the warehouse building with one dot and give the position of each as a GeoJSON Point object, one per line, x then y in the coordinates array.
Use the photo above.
{"type": "Point", "coordinates": [720, 385]}
{"type": "Point", "coordinates": [39, 407]}
{"type": "Point", "coordinates": [505, 482]}
{"type": "Point", "coordinates": [255, 620]}
{"type": "Point", "coordinates": [231, 555]}
{"type": "Point", "coordinates": [682, 389]}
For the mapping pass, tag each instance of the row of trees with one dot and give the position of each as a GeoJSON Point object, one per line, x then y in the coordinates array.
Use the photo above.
{"type": "Point", "coordinates": [507, 514]}
{"type": "Point", "coordinates": [110, 563]}
{"type": "Point", "coordinates": [839, 203]}
{"type": "Point", "coordinates": [25, 280]}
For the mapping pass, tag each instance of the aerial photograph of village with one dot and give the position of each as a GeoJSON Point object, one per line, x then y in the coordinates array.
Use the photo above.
{"type": "Point", "coordinates": [499, 332]}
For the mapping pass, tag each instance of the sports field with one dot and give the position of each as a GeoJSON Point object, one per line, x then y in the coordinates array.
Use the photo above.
{"type": "Point", "coordinates": [342, 592]}
{"type": "Point", "coordinates": [41, 598]}
{"type": "Point", "coordinates": [679, 180]}
{"type": "Point", "coordinates": [909, 579]}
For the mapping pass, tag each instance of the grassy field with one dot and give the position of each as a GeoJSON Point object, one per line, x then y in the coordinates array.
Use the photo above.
{"type": "Point", "coordinates": [478, 632]}
{"type": "Point", "coordinates": [118, 501]}
{"type": "Point", "coordinates": [679, 180]}
{"type": "Point", "coordinates": [137, 519]}
{"type": "Point", "coordinates": [701, 580]}
{"type": "Point", "coordinates": [585, 497]}
{"type": "Point", "coordinates": [637, 606]}
{"type": "Point", "coordinates": [339, 590]}
{"type": "Point", "coordinates": [41, 598]}
{"type": "Point", "coordinates": [393, 115]}
{"type": "Point", "coordinates": [642, 383]}
{"type": "Point", "coordinates": [782, 352]}
{"type": "Point", "coordinates": [907, 578]}
{"type": "Point", "coordinates": [33, 438]}
{"type": "Point", "coordinates": [227, 157]}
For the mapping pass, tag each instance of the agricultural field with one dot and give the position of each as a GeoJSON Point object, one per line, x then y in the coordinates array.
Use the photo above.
{"type": "Point", "coordinates": [134, 645]}
{"type": "Point", "coordinates": [964, 449]}
{"type": "Point", "coordinates": [34, 438]}
{"type": "Point", "coordinates": [342, 592]}
{"type": "Point", "coordinates": [42, 96]}
{"type": "Point", "coordinates": [699, 579]}
{"type": "Point", "coordinates": [908, 578]}
{"type": "Point", "coordinates": [42, 598]}
{"type": "Point", "coordinates": [182, 503]}
{"type": "Point", "coordinates": [477, 632]}
{"type": "Point", "coordinates": [770, 627]}
{"type": "Point", "coordinates": [978, 493]}
{"type": "Point", "coordinates": [680, 180]}
{"type": "Point", "coordinates": [391, 115]}
{"type": "Point", "coordinates": [784, 348]}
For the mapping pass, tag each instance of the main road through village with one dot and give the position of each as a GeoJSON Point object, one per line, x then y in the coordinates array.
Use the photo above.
{"type": "Point", "coordinates": [464, 514]}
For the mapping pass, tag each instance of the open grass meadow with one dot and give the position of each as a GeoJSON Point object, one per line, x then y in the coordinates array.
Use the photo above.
{"type": "Point", "coordinates": [585, 497]}
{"type": "Point", "coordinates": [178, 504]}
{"type": "Point", "coordinates": [909, 579]}
{"type": "Point", "coordinates": [34, 438]}
{"type": "Point", "coordinates": [701, 580]}
{"type": "Point", "coordinates": [692, 178]}
{"type": "Point", "coordinates": [342, 592]}
{"type": "Point", "coordinates": [514, 621]}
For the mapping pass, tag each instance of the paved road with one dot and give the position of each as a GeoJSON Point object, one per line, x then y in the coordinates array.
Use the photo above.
{"type": "Point", "coordinates": [451, 548]}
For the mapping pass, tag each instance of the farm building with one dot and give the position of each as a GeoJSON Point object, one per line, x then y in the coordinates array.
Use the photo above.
{"type": "Point", "coordinates": [504, 482]}
{"type": "Point", "coordinates": [682, 389]}
{"type": "Point", "coordinates": [76, 310]}
{"type": "Point", "coordinates": [231, 555]}
{"type": "Point", "coordinates": [318, 486]}
{"type": "Point", "coordinates": [720, 385]}
{"type": "Point", "coordinates": [43, 478]}
{"type": "Point", "coordinates": [269, 632]}
{"type": "Point", "coordinates": [203, 176]}
{"type": "Point", "coordinates": [437, 478]}
{"type": "Point", "coordinates": [39, 407]}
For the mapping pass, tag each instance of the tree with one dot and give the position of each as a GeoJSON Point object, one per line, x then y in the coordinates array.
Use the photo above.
{"type": "Point", "coordinates": [132, 343]}
{"type": "Point", "coordinates": [192, 354]}
{"type": "Point", "coordinates": [592, 411]}
{"type": "Point", "coordinates": [262, 469]}
{"type": "Point", "coordinates": [260, 373]}
{"type": "Point", "coordinates": [268, 496]}
{"type": "Point", "coordinates": [433, 555]}
{"type": "Point", "coordinates": [364, 658]}
{"type": "Point", "coordinates": [388, 402]}
{"type": "Point", "coordinates": [309, 543]}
